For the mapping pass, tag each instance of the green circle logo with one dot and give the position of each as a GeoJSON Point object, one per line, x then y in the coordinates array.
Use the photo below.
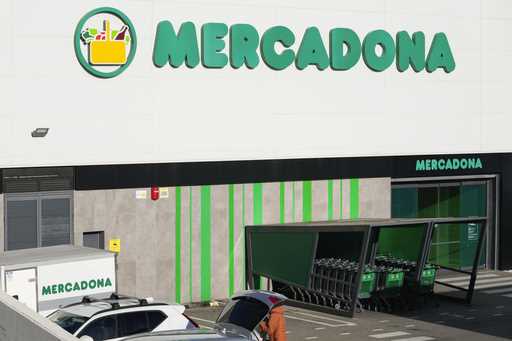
{"type": "Point", "coordinates": [105, 42]}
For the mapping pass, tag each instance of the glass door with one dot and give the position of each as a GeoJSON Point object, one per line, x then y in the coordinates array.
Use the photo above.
{"type": "Point", "coordinates": [454, 245]}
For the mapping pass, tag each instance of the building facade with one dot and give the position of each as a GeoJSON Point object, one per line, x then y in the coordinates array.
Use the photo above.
{"type": "Point", "coordinates": [160, 129]}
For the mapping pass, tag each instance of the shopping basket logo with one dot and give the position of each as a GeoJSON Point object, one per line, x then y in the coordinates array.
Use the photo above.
{"type": "Point", "coordinates": [105, 42]}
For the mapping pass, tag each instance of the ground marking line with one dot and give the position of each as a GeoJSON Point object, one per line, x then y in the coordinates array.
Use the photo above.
{"type": "Point", "coordinates": [347, 323]}
{"type": "Point", "coordinates": [377, 330]}
{"type": "Point", "coordinates": [319, 328]}
{"type": "Point", "coordinates": [410, 326]}
{"type": "Point", "coordinates": [494, 285]}
{"type": "Point", "coordinates": [315, 322]}
{"type": "Point", "coordinates": [311, 338]}
{"type": "Point", "coordinates": [416, 338]}
{"type": "Point", "coordinates": [451, 279]}
{"type": "Point", "coordinates": [508, 295]}
{"type": "Point", "coordinates": [484, 281]}
{"type": "Point", "coordinates": [498, 291]}
{"type": "Point", "coordinates": [388, 335]}
{"type": "Point", "coordinates": [384, 321]}
{"type": "Point", "coordinates": [200, 319]}
{"type": "Point", "coordinates": [345, 333]}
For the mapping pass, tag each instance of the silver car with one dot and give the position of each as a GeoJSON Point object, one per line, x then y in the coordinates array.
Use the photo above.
{"type": "Point", "coordinates": [238, 321]}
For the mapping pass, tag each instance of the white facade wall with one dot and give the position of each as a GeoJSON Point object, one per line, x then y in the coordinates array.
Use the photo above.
{"type": "Point", "coordinates": [149, 114]}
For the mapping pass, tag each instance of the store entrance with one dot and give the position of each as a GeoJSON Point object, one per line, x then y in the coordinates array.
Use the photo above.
{"type": "Point", "coordinates": [455, 245]}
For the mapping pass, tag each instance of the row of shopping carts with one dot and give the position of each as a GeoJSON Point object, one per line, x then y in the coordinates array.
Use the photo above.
{"type": "Point", "coordinates": [333, 283]}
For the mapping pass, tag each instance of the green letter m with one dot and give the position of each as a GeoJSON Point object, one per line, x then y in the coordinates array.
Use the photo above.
{"type": "Point", "coordinates": [47, 290]}
{"type": "Point", "coordinates": [420, 165]}
{"type": "Point", "coordinates": [173, 48]}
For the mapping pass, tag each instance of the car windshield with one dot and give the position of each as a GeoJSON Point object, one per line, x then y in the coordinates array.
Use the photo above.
{"type": "Point", "coordinates": [67, 321]}
{"type": "Point", "coordinates": [244, 312]}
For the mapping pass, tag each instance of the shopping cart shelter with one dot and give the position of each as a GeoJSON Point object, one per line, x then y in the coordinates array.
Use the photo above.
{"type": "Point", "coordinates": [348, 266]}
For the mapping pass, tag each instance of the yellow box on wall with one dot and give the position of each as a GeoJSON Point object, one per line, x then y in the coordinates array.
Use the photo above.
{"type": "Point", "coordinates": [114, 245]}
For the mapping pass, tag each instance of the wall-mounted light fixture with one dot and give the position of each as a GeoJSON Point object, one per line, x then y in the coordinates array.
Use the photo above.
{"type": "Point", "coordinates": [40, 132]}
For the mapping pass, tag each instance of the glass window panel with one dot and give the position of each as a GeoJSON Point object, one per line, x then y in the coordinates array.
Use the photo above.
{"type": "Point", "coordinates": [101, 329]}
{"type": "Point", "coordinates": [55, 221]}
{"type": "Point", "coordinates": [449, 202]}
{"type": "Point", "coordinates": [21, 224]}
{"type": "Point", "coordinates": [133, 323]}
{"type": "Point", "coordinates": [428, 202]}
{"type": "Point", "coordinates": [473, 200]}
{"type": "Point", "coordinates": [401, 241]}
{"type": "Point", "coordinates": [404, 202]}
{"type": "Point", "coordinates": [456, 252]}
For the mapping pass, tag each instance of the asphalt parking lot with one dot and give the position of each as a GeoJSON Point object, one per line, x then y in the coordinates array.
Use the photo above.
{"type": "Point", "coordinates": [488, 318]}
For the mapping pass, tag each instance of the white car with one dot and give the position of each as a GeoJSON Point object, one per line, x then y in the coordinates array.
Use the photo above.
{"type": "Point", "coordinates": [118, 317]}
{"type": "Point", "coordinates": [238, 321]}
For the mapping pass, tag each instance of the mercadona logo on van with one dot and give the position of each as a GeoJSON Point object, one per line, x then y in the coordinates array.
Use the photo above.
{"type": "Point", "coordinates": [60, 288]}
{"type": "Point", "coordinates": [105, 42]}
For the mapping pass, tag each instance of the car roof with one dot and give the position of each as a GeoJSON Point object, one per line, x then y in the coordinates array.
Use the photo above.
{"type": "Point", "coordinates": [182, 335]}
{"type": "Point", "coordinates": [89, 309]}
{"type": "Point", "coordinates": [269, 298]}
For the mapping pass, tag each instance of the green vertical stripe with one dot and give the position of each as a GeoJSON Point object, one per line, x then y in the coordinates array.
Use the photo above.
{"type": "Point", "coordinates": [190, 244]}
{"type": "Point", "coordinates": [257, 203]}
{"type": "Point", "coordinates": [231, 240]}
{"type": "Point", "coordinates": [354, 198]}
{"type": "Point", "coordinates": [307, 208]}
{"type": "Point", "coordinates": [206, 243]}
{"type": "Point", "coordinates": [330, 197]}
{"type": "Point", "coordinates": [341, 199]}
{"type": "Point", "coordinates": [282, 206]}
{"type": "Point", "coordinates": [178, 246]}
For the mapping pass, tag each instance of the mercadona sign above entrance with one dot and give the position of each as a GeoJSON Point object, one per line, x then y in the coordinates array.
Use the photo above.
{"type": "Point", "coordinates": [344, 51]}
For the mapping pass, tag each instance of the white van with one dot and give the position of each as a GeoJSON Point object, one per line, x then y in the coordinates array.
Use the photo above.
{"type": "Point", "coordinates": [46, 278]}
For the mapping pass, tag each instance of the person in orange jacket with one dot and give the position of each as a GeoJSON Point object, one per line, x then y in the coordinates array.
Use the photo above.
{"type": "Point", "coordinates": [275, 327]}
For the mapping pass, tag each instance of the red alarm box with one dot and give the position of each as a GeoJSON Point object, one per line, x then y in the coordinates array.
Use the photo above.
{"type": "Point", "coordinates": [155, 193]}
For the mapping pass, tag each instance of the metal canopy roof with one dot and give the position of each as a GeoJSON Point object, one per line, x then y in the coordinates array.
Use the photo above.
{"type": "Point", "coordinates": [375, 222]}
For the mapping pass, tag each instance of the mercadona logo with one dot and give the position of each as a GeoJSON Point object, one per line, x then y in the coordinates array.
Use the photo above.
{"type": "Point", "coordinates": [105, 42]}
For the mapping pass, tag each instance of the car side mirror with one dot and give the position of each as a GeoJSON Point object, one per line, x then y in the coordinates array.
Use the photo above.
{"type": "Point", "coordinates": [86, 338]}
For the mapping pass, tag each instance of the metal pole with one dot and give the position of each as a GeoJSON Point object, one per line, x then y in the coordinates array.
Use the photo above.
{"type": "Point", "coordinates": [471, 287]}
{"type": "Point", "coordinates": [362, 260]}
{"type": "Point", "coordinates": [425, 251]}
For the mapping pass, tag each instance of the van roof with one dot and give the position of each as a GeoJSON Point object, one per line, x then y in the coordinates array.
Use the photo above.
{"type": "Point", "coordinates": [51, 254]}
{"type": "Point", "coordinates": [89, 309]}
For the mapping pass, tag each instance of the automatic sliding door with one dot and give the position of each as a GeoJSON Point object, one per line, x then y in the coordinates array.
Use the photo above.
{"type": "Point", "coordinates": [455, 244]}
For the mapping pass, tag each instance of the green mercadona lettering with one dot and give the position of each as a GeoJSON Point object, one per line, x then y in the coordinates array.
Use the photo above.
{"type": "Point", "coordinates": [278, 49]}
{"type": "Point", "coordinates": [76, 286]}
{"type": "Point", "coordinates": [448, 164]}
